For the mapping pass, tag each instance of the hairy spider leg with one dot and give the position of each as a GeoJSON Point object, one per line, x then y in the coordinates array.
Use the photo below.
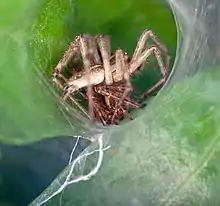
{"type": "Point", "coordinates": [134, 65]}
{"type": "Point", "coordinates": [112, 91]}
{"type": "Point", "coordinates": [72, 49]}
{"type": "Point", "coordinates": [104, 44]}
{"type": "Point", "coordinates": [140, 56]}
{"type": "Point", "coordinates": [123, 73]}
{"type": "Point", "coordinates": [97, 110]}
{"type": "Point", "coordinates": [105, 48]}
{"type": "Point", "coordinates": [91, 57]}
{"type": "Point", "coordinates": [86, 50]}
{"type": "Point", "coordinates": [96, 60]}
{"type": "Point", "coordinates": [99, 113]}
{"type": "Point", "coordinates": [75, 102]}
{"type": "Point", "coordinates": [148, 34]}
{"type": "Point", "coordinates": [163, 72]}
{"type": "Point", "coordinates": [93, 51]}
{"type": "Point", "coordinates": [79, 106]}
{"type": "Point", "coordinates": [70, 52]}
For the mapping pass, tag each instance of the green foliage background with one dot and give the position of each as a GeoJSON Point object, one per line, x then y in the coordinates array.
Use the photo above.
{"type": "Point", "coordinates": [34, 37]}
{"type": "Point", "coordinates": [171, 160]}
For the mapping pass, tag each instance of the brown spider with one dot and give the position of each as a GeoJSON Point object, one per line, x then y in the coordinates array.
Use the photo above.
{"type": "Point", "coordinates": [101, 69]}
{"type": "Point", "coordinates": [104, 97]}
{"type": "Point", "coordinates": [104, 104]}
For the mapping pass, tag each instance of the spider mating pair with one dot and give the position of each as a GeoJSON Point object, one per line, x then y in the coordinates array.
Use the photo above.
{"type": "Point", "coordinates": [103, 78]}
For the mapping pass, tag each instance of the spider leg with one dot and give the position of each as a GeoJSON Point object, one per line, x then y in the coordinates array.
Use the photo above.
{"type": "Point", "coordinates": [85, 51]}
{"type": "Point", "coordinates": [75, 102]}
{"type": "Point", "coordinates": [153, 50]}
{"type": "Point", "coordinates": [72, 49]}
{"type": "Point", "coordinates": [141, 44]}
{"type": "Point", "coordinates": [81, 45]}
{"type": "Point", "coordinates": [115, 94]}
{"type": "Point", "coordinates": [134, 65]}
{"type": "Point", "coordinates": [95, 57]}
{"type": "Point", "coordinates": [103, 114]}
{"type": "Point", "coordinates": [97, 109]}
{"type": "Point", "coordinates": [105, 50]}
{"type": "Point", "coordinates": [79, 106]}
{"type": "Point", "coordinates": [122, 68]}
{"type": "Point", "coordinates": [162, 80]}
{"type": "Point", "coordinates": [98, 113]}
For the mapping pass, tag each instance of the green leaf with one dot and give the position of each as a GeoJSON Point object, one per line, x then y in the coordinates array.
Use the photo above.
{"type": "Point", "coordinates": [169, 155]}
{"type": "Point", "coordinates": [28, 107]}
{"type": "Point", "coordinates": [34, 35]}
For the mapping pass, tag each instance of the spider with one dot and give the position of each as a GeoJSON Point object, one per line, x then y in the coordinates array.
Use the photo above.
{"type": "Point", "coordinates": [104, 104]}
{"type": "Point", "coordinates": [104, 97]}
{"type": "Point", "coordinates": [100, 68]}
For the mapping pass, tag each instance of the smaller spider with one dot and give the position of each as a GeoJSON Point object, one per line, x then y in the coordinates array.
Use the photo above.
{"type": "Point", "coordinates": [110, 96]}
{"type": "Point", "coordinates": [104, 106]}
